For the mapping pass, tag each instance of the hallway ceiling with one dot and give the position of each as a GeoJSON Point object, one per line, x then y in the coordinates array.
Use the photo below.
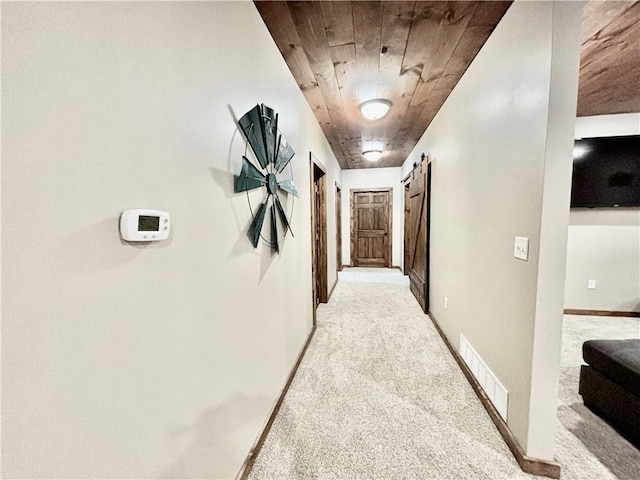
{"type": "Point", "coordinates": [342, 53]}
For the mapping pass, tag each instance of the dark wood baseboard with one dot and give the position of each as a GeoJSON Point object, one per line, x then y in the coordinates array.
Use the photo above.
{"type": "Point", "coordinates": [601, 313]}
{"type": "Point", "coordinates": [332, 289]}
{"type": "Point", "coordinates": [530, 465]}
{"type": "Point", "coordinates": [243, 474]}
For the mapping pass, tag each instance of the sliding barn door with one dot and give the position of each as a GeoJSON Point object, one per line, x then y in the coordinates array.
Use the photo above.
{"type": "Point", "coordinates": [371, 228]}
{"type": "Point", "coordinates": [417, 235]}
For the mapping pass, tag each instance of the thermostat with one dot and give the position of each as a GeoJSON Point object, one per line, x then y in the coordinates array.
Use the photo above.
{"type": "Point", "coordinates": [144, 225]}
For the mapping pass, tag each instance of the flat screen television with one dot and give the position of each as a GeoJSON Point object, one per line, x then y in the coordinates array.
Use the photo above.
{"type": "Point", "coordinates": [606, 172]}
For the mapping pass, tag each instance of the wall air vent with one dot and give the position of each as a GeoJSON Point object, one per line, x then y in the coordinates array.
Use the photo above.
{"type": "Point", "coordinates": [485, 377]}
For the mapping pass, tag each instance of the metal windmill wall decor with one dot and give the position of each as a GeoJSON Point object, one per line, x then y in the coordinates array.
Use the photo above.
{"type": "Point", "coordinates": [273, 153]}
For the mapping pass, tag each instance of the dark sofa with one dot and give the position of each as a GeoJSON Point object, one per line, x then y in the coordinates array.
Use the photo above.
{"type": "Point", "coordinates": [610, 384]}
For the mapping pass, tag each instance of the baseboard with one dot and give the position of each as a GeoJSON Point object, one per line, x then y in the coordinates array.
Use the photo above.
{"type": "Point", "coordinates": [332, 289]}
{"type": "Point", "coordinates": [243, 474]}
{"type": "Point", "coordinates": [530, 465]}
{"type": "Point", "coordinates": [601, 313]}
{"type": "Point", "coordinates": [398, 267]}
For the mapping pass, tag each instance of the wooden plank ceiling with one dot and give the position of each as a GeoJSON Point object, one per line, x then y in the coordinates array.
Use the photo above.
{"type": "Point", "coordinates": [610, 59]}
{"type": "Point", "coordinates": [342, 53]}
{"type": "Point", "coordinates": [411, 53]}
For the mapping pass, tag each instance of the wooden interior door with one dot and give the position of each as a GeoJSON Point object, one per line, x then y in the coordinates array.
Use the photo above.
{"type": "Point", "coordinates": [318, 232]}
{"type": "Point", "coordinates": [417, 232]}
{"type": "Point", "coordinates": [407, 236]}
{"type": "Point", "coordinates": [338, 228]}
{"type": "Point", "coordinates": [371, 227]}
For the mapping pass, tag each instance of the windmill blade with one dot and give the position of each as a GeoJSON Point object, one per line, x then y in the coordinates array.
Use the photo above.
{"type": "Point", "coordinates": [250, 177]}
{"type": "Point", "coordinates": [274, 229]}
{"type": "Point", "coordinates": [283, 215]}
{"type": "Point", "coordinates": [256, 224]}
{"type": "Point", "coordinates": [251, 124]}
{"type": "Point", "coordinates": [288, 186]}
{"type": "Point", "coordinates": [270, 132]}
{"type": "Point", "coordinates": [285, 154]}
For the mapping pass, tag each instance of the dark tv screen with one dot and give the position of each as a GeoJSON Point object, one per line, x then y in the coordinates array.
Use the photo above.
{"type": "Point", "coordinates": [606, 172]}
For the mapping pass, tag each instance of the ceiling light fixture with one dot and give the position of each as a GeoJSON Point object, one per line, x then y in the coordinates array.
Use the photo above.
{"type": "Point", "coordinates": [375, 109]}
{"type": "Point", "coordinates": [372, 155]}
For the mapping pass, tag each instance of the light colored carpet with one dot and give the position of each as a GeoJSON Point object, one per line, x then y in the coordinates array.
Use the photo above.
{"type": "Point", "coordinates": [378, 396]}
{"type": "Point", "coordinates": [586, 446]}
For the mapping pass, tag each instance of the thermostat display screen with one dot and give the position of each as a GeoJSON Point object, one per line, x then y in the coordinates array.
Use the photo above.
{"type": "Point", "coordinates": [147, 223]}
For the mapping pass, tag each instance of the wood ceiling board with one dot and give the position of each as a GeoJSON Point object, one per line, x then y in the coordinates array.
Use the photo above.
{"type": "Point", "coordinates": [284, 33]}
{"type": "Point", "coordinates": [367, 25]}
{"type": "Point", "coordinates": [597, 14]}
{"type": "Point", "coordinates": [396, 24]}
{"type": "Point", "coordinates": [344, 62]}
{"type": "Point", "coordinates": [338, 22]}
{"type": "Point", "coordinates": [342, 53]}
{"type": "Point", "coordinates": [309, 23]}
{"type": "Point", "coordinates": [610, 62]}
{"type": "Point", "coordinates": [478, 30]}
{"type": "Point", "coordinates": [438, 53]}
{"type": "Point", "coordinates": [425, 22]}
{"type": "Point", "coordinates": [479, 27]}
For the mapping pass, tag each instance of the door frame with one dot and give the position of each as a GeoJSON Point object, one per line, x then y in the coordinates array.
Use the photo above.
{"type": "Point", "coordinates": [352, 233]}
{"type": "Point", "coordinates": [318, 175]}
{"type": "Point", "coordinates": [338, 227]}
{"type": "Point", "coordinates": [405, 248]}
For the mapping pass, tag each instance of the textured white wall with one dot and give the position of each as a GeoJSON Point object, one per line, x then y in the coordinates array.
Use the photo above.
{"type": "Point", "coordinates": [501, 140]}
{"type": "Point", "coordinates": [374, 178]}
{"type": "Point", "coordinates": [604, 243]}
{"type": "Point", "coordinates": [145, 361]}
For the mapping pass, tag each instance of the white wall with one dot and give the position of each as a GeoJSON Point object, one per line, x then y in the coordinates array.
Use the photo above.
{"type": "Point", "coordinates": [604, 243]}
{"type": "Point", "coordinates": [501, 149]}
{"type": "Point", "coordinates": [374, 178]}
{"type": "Point", "coordinates": [608, 125]}
{"type": "Point", "coordinates": [143, 361]}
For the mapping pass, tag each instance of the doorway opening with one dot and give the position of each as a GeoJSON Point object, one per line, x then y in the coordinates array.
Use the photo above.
{"type": "Point", "coordinates": [338, 228]}
{"type": "Point", "coordinates": [371, 212]}
{"type": "Point", "coordinates": [318, 232]}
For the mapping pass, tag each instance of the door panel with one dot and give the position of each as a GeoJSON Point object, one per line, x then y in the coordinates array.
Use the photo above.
{"type": "Point", "coordinates": [416, 234]}
{"type": "Point", "coordinates": [318, 232]}
{"type": "Point", "coordinates": [371, 228]}
{"type": "Point", "coordinates": [338, 228]}
{"type": "Point", "coordinates": [407, 231]}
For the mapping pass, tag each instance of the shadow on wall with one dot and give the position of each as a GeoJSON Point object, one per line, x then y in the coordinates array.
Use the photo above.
{"type": "Point", "coordinates": [75, 253]}
{"type": "Point", "coordinates": [629, 306]}
{"type": "Point", "coordinates": [605, 443]}
{"type": "Point", "coordinates": [219, 439]}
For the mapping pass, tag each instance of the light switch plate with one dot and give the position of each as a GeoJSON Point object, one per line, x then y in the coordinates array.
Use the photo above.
{"type": "Point", "coordinates": [521, 248]}
{"type": "Point", "coordinates": [591, 284]}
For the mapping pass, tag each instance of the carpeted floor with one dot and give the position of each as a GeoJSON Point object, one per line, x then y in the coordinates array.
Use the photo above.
{"type": "Point", "coordinates": [586, 446]}
{"type": "Point", "coordinates": [378, 396]}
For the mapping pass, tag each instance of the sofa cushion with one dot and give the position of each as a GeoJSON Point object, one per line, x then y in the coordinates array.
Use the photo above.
{"type": "Point", "coordinates": [619, 360]}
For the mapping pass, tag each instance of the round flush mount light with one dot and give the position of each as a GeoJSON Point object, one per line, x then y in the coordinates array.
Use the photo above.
{"type": "Point", "coordinates": [375, 109]}
{"type": "Point", "coordinates": [372, 155]}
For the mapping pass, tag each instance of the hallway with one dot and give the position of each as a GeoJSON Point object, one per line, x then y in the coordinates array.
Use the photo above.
{"type": "Point", "coordinates": [378, 395]}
